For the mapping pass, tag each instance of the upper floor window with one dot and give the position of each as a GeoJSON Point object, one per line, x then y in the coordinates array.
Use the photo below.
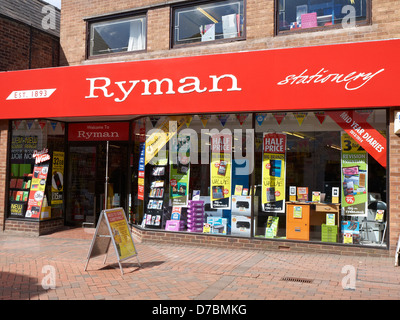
{"type": "Point", "coordinates": [118, 35]}
{"type": "Point", "coordinates": [294, 15]}
{"type": "Point", "coordinates": [208, 22]}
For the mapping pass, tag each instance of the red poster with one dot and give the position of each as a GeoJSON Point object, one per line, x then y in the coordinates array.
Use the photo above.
{"type": "Point", "coordinates": [95, 131]}
{"type": "Point", "coordinates": [362, 132]}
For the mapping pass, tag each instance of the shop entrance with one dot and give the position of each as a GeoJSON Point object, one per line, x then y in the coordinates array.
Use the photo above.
{"type": "Point", "coordinates": [88, 169]}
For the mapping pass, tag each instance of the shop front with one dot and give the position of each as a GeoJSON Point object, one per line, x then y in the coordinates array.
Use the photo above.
{"type": "Point", "coordinates": [253, 147]}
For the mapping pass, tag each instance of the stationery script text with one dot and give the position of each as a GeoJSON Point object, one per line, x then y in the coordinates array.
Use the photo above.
{"type": "Point", "coordinates": [353, 81]}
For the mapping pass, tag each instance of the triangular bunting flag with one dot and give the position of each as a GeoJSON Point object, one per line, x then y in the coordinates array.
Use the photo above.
{"type": "Point", "coordinates": [223, 118]}
{"type": "Point", "coordinates": [53, 125]}
{"type": "Point", "coordinates": [42, 124]}
{"type": "Point", "coordinates": [320, 115]}
{"type": "Point", "coordinates": [364, 113]}
{"type": "Point", "coordinates": [154, 120]}
{"type": "Point", "coordinates": [300, 116]}
{"type": "Point", "coordinates": [241, 118]}
{"type": "Point", "coordinates": [279, 116]}
{"type": "Point", "coordinates": [260, 118]}
{"type": "Point", "coordinates": [17, 123]}
{"type": "Point", "coordinates": [29, 124]}
{"type": "Point", "coordinates": [204, 119]}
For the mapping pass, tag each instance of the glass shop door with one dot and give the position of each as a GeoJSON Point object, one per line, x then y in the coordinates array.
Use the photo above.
{"type": "Point", "coordinates": [91, 167]}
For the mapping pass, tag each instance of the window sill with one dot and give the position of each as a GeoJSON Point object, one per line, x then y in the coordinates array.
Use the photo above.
{"type": "Point", "coordinates": [336, 27]}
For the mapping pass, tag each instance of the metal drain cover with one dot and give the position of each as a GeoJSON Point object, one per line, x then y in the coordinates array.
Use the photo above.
{"type": "Point", "coordinates": [294, 279]}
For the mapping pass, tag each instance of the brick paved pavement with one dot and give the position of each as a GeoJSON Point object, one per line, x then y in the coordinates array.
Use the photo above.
{"type": "Point", "coordinates": [172, 272]}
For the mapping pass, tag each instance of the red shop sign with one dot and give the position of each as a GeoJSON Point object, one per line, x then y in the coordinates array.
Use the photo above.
{"type": "Point", "coordinates": [95, 131]}
{"type": "Point", "coordinates": [354, 75]}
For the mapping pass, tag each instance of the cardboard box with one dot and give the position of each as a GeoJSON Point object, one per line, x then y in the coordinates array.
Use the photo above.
{"type": "Point", "coordinates": [241, 205]}
{"type": "Point", "coordinates": [217, 225]}
{"type": "Point", "coordinates": [240, 225]}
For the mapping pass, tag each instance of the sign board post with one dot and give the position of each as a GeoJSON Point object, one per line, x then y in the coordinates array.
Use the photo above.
{"type": "Point", "coordinates": [112, 227]}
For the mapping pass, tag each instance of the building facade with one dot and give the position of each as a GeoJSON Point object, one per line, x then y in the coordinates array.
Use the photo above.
{"type": "Point", "coordinates": [26, 43]}
{"type": "Point", "coordinates": [264, 124]}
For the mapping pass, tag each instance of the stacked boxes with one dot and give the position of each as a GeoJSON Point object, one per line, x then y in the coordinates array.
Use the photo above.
{"type": "Point", "coordinates": [195, 216]}
{"type": "Point", "coordinates": [329, 233]}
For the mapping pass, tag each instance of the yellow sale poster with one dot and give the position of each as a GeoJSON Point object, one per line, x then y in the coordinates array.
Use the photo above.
{"type": "Point", "coordinates": [273, 172]}
{"type": "Point", "coordinates": [120, 233]}
{"type": "Point", "coordinates": [221, 171]}
{"type": "Point", "coordinates": [160, 137]}
{"type": "Point", "coordinates": [57, 178]}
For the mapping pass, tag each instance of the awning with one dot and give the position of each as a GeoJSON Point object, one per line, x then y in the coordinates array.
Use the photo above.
{"type": "Point", "coordinates": [355, 75]}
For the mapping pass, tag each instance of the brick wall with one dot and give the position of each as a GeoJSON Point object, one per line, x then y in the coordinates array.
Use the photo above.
{"type": "Point", "coordinates": [259, 30]}
{"type": "Point", "coordinates": [23, 47]}
{"type": "Point", "coordinates": [3, 168]}
{"type": "Point", "coordinates": [207, 240]}
{"type": "Point", "coordinates": [394, 180]}
{"type": "Point", "coordinates": [32, 228]}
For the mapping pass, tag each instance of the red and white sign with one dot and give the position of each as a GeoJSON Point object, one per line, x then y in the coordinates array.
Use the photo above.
{"type": "Point", "coordinates": [31, 94]}
{"type": "Point", "coordinates": [363, 133]}
{"type": "Point", "coordinates": [307, 78]}
{"type": "Point", "coordinates": [105, 131]}
{"type": "Point", "coordinates": [274, 143]}
{"type": "Point", "coordinates": [221, 143]}
{"type": "Point", "coordinates": [41, 156]}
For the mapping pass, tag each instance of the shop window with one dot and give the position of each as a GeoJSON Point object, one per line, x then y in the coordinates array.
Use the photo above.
{"type": "Point", "coordinates": [197, 180]}
{"type": "Point", "coordinates": [315, 182]}
{"type": "Point", "coordinates": [118, 35]}
{"type": "Point", "coordinates": [301, 176]}
{"type": "Point", "coordinates": [207, 22]}
{"type": "Point", "coordinates": [295, 15]}
{"type": "Point", "coordinates": [36, 170]}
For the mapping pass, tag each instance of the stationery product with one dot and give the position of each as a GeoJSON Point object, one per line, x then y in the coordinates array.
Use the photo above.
{"type": "Point", "coordinates": [174, 225]}
{"type": "Point", "coordinates": [316, 196]}
{"type": "Point", "coordinates": [272, 227]}
{"type": "Point", "coordinates": [218, 225]}
{"type": "Point", "coordinates": [335, 195]}
{"type": "Point", "coordinates": [292, 193]}
{"type": "Point", "coordinates": [196, 194]}
{"type": "Point", "coordinates": [302, 194]}
{"type": "Point", "coordinates": [330, 219]}
{"type": "Point", "coordinates": [176, 213]}
{"type": "Point", "coordinates": [329, 233]}
{"type": "Point", "coordinates": [195, 216]}
{"type": "Point", "coordinates": [238, 190]}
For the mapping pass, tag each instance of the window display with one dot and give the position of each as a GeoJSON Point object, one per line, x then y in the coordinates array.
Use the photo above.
{"type": "Point", "coordinates": [317, 176]}
{"type": "Point", "coordinates": [118, 35]}
{"type": "Point", "coordinates": [208, 22]}
{"type": "Point", "coordinates": [36, 169]}
{"type": "Point", "coordinates": [304, 14]}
